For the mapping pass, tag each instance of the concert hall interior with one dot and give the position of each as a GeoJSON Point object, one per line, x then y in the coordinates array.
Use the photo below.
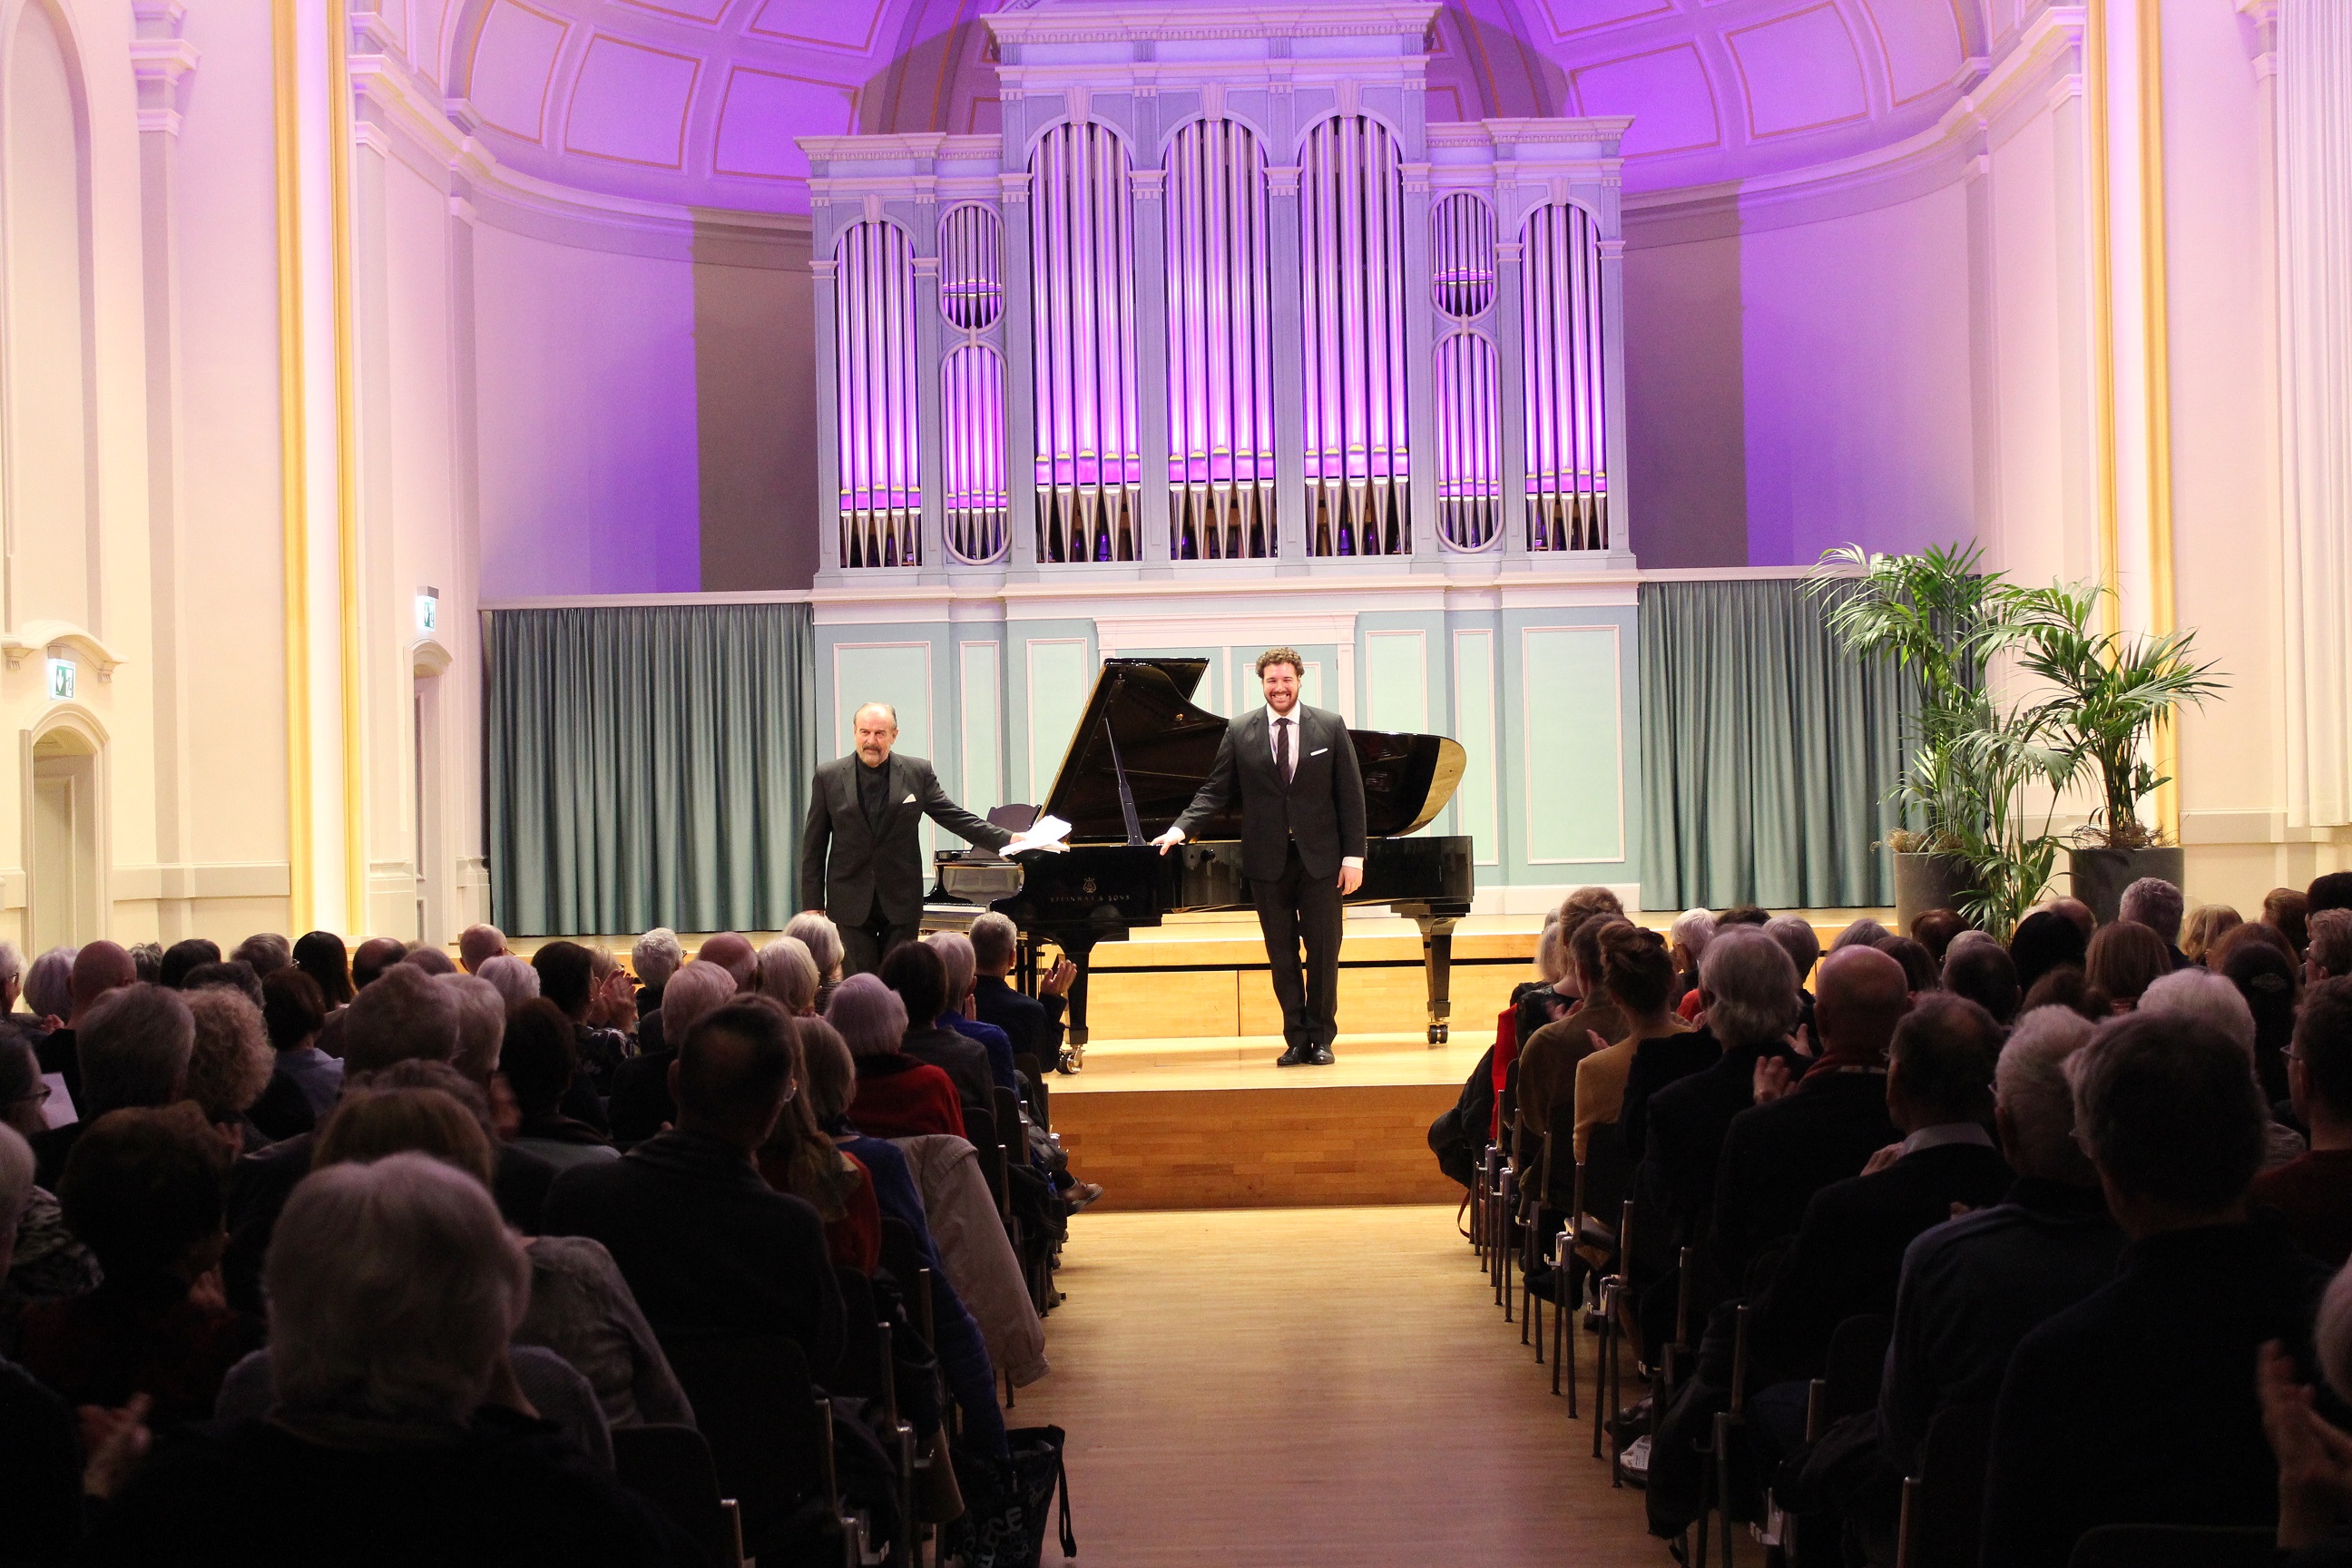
{"type": "Point", "coordinates": [557, 492]}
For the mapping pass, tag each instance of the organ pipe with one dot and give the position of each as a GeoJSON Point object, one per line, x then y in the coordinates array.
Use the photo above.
{"type": "Point", "coordinates": [1568, 481]}
{"type": "Point", "coordinates": [874, 367]}
{"type": "Point", "coordinates": [1219, 357]}
{"type": "Point", "coordinates": [1090, 465]}
{"type": "Point", "coordinates": [1352, 253]}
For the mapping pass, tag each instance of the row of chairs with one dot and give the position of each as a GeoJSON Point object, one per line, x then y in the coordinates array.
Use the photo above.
{"type": "Point", "coordinates": [1523, 1215]}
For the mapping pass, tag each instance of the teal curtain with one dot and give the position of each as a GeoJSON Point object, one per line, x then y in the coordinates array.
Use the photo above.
{"type": "Point", "coordinates": [647, 766]}
{"type": "Point", "coordinates": [1767, 753]}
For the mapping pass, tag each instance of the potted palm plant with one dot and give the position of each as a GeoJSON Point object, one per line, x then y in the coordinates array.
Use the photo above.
{"type": "Point", "coordinates": [1940, 617]}
{"type": "Point", "coordinates": [2111, 691]}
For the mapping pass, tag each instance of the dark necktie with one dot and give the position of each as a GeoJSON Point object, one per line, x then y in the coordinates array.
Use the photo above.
{"type": "Point", "coordinates": [1282, 748]}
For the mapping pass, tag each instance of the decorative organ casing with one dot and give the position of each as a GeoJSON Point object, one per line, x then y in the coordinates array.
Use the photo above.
{"type": "Point", "coordinates": [1218, 297]}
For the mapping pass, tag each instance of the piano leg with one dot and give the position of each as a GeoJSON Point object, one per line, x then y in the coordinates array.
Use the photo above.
{"type": "Point", "coordinates": [1074, 1040]}
{"type": "Point", "coordinates": [1437, 964]}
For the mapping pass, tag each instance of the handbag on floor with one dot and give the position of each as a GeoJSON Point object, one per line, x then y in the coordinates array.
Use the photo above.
{"type": "Point", "coordinates": [1007, 1506]}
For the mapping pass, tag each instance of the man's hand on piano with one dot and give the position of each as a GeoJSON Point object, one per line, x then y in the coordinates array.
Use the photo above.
{"type": "Point", "coordinates": [1350, 878]}
{"type": "Point", "coordinates": [1170, 839]}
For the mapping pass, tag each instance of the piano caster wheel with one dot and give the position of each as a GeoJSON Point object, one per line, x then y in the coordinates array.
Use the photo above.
{"type": "Point", "coordinates": [1437, 1035]}
{"type": "Point", "coordinates": [1071, 1061]}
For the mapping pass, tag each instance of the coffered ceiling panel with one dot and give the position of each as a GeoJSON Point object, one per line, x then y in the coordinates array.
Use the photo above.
{"type": "Point", "coordinates": [699, 101]}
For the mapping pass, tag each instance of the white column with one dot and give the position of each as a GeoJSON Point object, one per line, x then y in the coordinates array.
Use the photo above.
{"type": "Point", "coordinates": [2315, 221]}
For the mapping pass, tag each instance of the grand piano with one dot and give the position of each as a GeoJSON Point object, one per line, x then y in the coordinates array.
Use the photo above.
{"type": "Point", "coordinates": [1140, 751]}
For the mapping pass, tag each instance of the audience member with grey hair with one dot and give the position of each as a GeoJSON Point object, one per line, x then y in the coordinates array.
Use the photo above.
{"type": "Point", "coordinates": [391, 1307]}
{"type": "Point", "coordinates": [654, 956]}
{"type": "Point", "coordinates": [1861, 933]}
{"type": "Point", "coordinates": [2083, 1435]}
{"type": "Point", "coordinates": [48, 985]}
{"type": "Point", "coordinates": [1971, 1289]}
{"type": "Point", "coordinates": [98, 967]}
{"type": "Point", "coordinates": [516, 980]}
{"type": "Point", "coordinates": [433, 960]}
{"type": "Point", "coordinates": [641, 1101]}
{"type": "Point", "coordinates": [230, 1062]}
{"type": "Point", "coordinates": [2328, 955]}
{"type": "Point", "coordinates": [788, 975]}
{"type": "Point", "coordinates": [898, 1097]}
{"type": "Point", "coordinates": [2157, 904]}
{"type": "Point", "coordinates": [1750, 989]}
{"type": "Point", "coordinates": [482, 1024]}
{"type": "Point", "coordinates": [12, 976]}
{"type": "Point", "coordinates": [957, 954]}
{"type": "Point", "coordinates": [1798, 941]}
{"type": "Point", "coordinates": [477, 944]}
{"type": "Point", "coordinates": [265, 952]}
{"type": "Point", "coordinates": [402, 1013]}
{"type": "Point", "coordinates": [133, 1043]}
{"type": "Point", "coordinates": [1686, 942]}
{"type": "Point", "coordinates": [1034, 1024]}
{"type": "Point", "coordinates": [2214, 1003]}
{"type": "Point", "coordinates": [823, 939]}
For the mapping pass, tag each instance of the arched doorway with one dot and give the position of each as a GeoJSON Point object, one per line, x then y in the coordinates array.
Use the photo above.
{"type": "Point", "coordinates": [65, 830]}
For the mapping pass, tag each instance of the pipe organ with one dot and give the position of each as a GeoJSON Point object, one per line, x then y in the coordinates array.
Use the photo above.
{"type": "Point", "coordinates": [1219, 291]}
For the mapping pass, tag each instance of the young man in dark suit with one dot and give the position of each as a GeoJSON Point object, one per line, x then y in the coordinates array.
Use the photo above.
{"type": "Point", "coordinates": [1294, 770]}
{"type": "Point", "coordinates": [861, 853]}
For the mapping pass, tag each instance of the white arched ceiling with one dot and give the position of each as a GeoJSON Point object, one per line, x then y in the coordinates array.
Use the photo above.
{"type": "Point", "coordinates": [699, 100]}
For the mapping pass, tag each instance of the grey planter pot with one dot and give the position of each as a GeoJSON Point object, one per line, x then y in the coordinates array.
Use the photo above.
{"type": "Point", "coordinates": [2100, 876]}
{"type": "Point", "coordinates": [1924, 882]}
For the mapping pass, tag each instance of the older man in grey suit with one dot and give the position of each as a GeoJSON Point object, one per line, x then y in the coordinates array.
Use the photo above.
{"type": "Point", "coordinates": [861, 849]}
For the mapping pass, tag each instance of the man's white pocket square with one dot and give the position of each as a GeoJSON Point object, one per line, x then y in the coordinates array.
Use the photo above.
{"type": "Point", "coordinates": [908, 801]}
{"type": "Point", "coordinates": [1319, 751]}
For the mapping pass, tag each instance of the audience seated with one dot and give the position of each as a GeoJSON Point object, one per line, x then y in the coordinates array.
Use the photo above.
{"type": "Point", "coordinates": [2215, 1003]}
{"type": "Point", "coordinates": [229, 1066]}
{"type": "Point", "coordinates": [1751, 1008]}
{"type": "Point", "coordinates": [433, 960]}
{"type": "Point", "coordinates": [581, 1308]}
{"type": "Point", "coordinates": [2286, 912]}
{"type": "Point", "coordinates": [2157, 904]}
{"type": "Point", "coordinates": [2259, 961]}
{"type": "Point", "coordinates": [2066, 987]}
{"type": "Point", "coordinates": [264, 952]}
{"type": "Point", "coordinates": [2332, 890]}
{"type": "Point", "coordinates": [47, 1261]}
{"type": "Point", "coordinates": [567, 978]}
{"type": "Point", "coordinates": [1804, 946]}
{"type": "Point", "coordinates": [707, 1246]}
{"type": "Point", "coordinates": [2327, 955]}
{"type": "Point", "coordinates": [372, 957]}
{"type": "Point", "coordinates": [801, 1159]}
{"type": "Point", "coordinates": [957, 957]}
{"type": "Point", "coordinates": [2125, 959]}
{"type": "Point", "coordinates": [898, 1097]}
{"type": "Point", "coordinates": [398, 1434]}
{"type": "Point", "coordinates": [1034, 1024]}
{"type": "Point", "coordinates": [132, 1043]}
{"type": "Point", "coordinates": [2138, 1404]}
{"type": "Point", "coordinates": [48, 988]}
{"type": "Point", "coordinates": [1806, 1132]}
{"type": "Point", "coordinates": [536, 1055]}
{"type": "Point", "coordinates": [515, 980]}
{"type": "Point", "coordinates": [917, 973]}
{"type": "Point", "coordinates": [1983, 972]}
{"type": "Point", "coordinates": [1638, 977]}
{"type": "Point", "coordinates": [787, 975]}
{"type": "Point", "coordinates": [1920, 966]}
{"type": "Point", "coordinates": [654, 956]}
{"type": "Point", "coordinates": [98, 967]}
{"type": "Point", "coordinates": [1686, 938]}
{"type": "Point", "coordinates": [2043, 940]}
{"type": "Point", "coordinates": [727, 951]}
{"type": "Point", "coordinates": [1551, 1055]}
{"type": "Point", "coordinates": [319, 954]}
{"type": "Point", "coordinates": [1935, 928]}
{"type": "Point", "coordinates": [1863, 932]}
{"type": "Point", "coordinates": [477, 944]}
{"type": "Point", "coordinates": [641, 1103]}
{"type": "Point", "coordinates": [2312, 1194]}
{"type": "Point", "coordinates": [481, 1027]}
{"type": "Point", "coordinates": [1973, 1288]}
{"type": "Point", "coordinates": [2207, 923]}
{"type": "Point", "coordinates": [143, 1192]}
{"type": "Point", "coordinates": [823, 939]}
{"type": "Point", "coordinates": [2313, 1454]}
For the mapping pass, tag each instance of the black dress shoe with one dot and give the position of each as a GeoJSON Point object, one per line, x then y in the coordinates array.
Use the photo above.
{"type": "Point", "coordinates": [1321, 1056]}
{"type": "Point", "coordinates": [1295, 1056]}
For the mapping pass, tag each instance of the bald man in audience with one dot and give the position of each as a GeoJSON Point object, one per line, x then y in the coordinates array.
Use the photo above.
{"type": "Point", "coordinates": [1806, 1132]}
{"type": "Point", "coordinates": [477, 944]}
{"type": "Point", "coordinates": [99, 967]}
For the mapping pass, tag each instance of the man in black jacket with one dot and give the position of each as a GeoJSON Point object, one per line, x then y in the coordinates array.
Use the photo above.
{"type": "Point", "coordinates": [2137, 1405]}
{"type": "Point", "coordinates": [1800, 1137]}
{"type": "Point", "coordinates": [861, 848]}
{"type": "Point", "coordinates": [1034, 1024]}
{"type": "Point", "coordinates": [709, 1248]}
{"type": "Point", "coordinates": [1293, 772]}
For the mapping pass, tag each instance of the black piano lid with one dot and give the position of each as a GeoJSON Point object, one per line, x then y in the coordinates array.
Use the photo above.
{"type": "Point", "coordinates": [1168, 745]}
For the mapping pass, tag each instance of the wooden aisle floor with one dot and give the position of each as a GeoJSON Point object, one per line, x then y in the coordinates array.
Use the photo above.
{"type": "Point", "coordinates": [1274, 1388]}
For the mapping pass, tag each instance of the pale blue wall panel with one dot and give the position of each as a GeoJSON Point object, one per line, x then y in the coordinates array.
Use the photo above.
{"type": "Point", "coordinates": [1574, 745]}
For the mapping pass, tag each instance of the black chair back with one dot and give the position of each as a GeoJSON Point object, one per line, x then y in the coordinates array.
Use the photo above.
{"type": "Point", "coordinates": [860, 1372]}
{"type": "Point", "coordinates": [755, 1406]}
{"type": "Point", "coordinates": [1943, 1504]}
{"type": "Point", "coordinates": [1608, 1174]}
{"type": "Point", "coordinates": [1856, 1362]}
{"type": "Point", "coordinates": [671, 1468]}
{"type": "Point", "coordinates": [2175, 1546]}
